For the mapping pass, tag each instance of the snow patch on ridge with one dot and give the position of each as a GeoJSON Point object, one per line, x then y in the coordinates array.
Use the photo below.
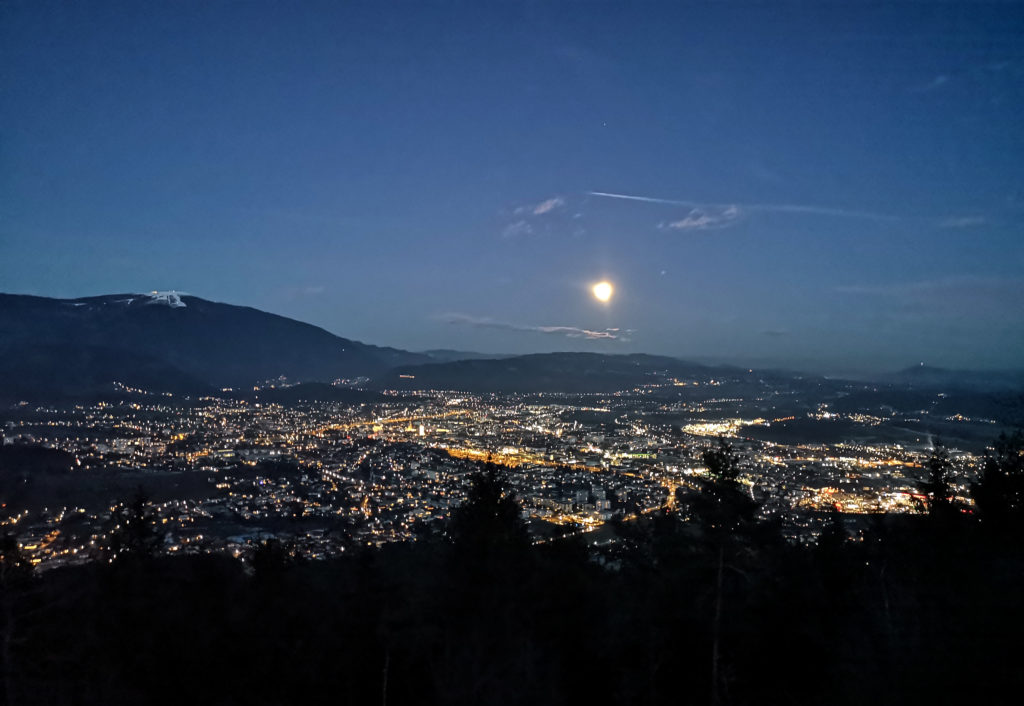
{"type": "Point", "coordinates": [170, 298]}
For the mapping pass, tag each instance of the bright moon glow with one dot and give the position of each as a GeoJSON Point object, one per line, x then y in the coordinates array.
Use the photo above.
{"type": "Point", "coordinates": [603, 291]}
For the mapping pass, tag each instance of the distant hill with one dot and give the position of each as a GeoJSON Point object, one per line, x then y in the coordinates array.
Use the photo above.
{"type": "Point", "coordinates": [925, 376]}
{"type": "Point", "coordinates": [446, 355]}
{"type": "Point", "coordinates": [544, 372]}
{"type": "Point", "coordinates": [36, 371]}
{"type": "Point", "coordinates": [167, 342]}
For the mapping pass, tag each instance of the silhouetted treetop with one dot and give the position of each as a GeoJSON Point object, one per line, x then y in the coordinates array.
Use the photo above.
{"type": "Point", "coordinates": [722, 462]}
{"type": "Point", "coordinates": [491, 515]}
{"type": "Point", "coordinates": [1000, 492]}
{"type": "Point", "coordinates": [936, 485]}
{"type": "Point", "coordinates": [134, 528]}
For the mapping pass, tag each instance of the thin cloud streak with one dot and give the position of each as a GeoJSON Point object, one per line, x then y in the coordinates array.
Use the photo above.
{"type": "Point", "coordinates": [539, 209]}
{"type": "Point", "coordinates": [531, 217]}
{"type": "Point", "coordinates": [964, 222]}
{"type": "Point", "coordinates": [549, 205]}
{"type": "Point", "coordinates": [516, 229]}
{"type": "Point", "coordinates": [762, 207]}
{"type": "Point", "coordinates": [611, 334]}
{"type": "Point", "coordinates": [992, 303]}
{"type": "Point", "coordinates": [1001, 288]}
{"type": "Point", "coordinates": [702, 219]}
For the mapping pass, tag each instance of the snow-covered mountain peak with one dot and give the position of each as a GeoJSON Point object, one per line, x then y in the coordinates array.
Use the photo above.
{"type": "Point", "coordinates": [170, 298]}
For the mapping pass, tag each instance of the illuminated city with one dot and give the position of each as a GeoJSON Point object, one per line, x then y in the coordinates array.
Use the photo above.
{"type": "Point", "coordinates": [329, 476]}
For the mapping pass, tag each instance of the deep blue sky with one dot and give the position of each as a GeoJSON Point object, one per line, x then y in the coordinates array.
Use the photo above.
{"type": "Point", "coordinates": [841, 186]}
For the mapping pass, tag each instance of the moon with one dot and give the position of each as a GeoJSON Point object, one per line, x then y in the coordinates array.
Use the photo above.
{"type": "Point", "coordinates": [603, 291]}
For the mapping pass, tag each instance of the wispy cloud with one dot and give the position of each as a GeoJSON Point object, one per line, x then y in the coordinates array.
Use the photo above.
{"type": "Point", "coordinates": [611, 334]}
{"type": "Point", "coordinates": [539, 209]}
{"type": "Point", "coordinates": [968, 298]}
{"type": "Point", "coordinates": [964, 222]}
{"type": "Point", "coordinates": [549, 205]}
{"type": "Point", "coordinates": [990, 303]}
{"type": "Point", "coordinates": [706, 219]}
{"type": "Point", "coordinates": [754, 207]}
{"type": "Point", "coordinates": [305, 291]}
{"type": "Point", "coordinates": [514, 230]}
{"type": "Point", "coordinates": [936, 83]}
{"type": "Point", "coordinates": [534, 218]}
{"type": "Point", "coordinates": [958, 286]}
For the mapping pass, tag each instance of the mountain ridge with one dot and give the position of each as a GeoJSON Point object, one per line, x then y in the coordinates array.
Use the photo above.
{"type": "Point", "coordinates": [545, 372]}
{"type": "Point", "coordinates": [175, 342]}
{"type": "Point", "coordinates": [196, 343]}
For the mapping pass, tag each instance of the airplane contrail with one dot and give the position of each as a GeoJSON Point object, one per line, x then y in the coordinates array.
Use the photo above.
{"type": "Point", "coordinates": [647, 199]}
{"type": "Point", "coordinates": [765, 208]}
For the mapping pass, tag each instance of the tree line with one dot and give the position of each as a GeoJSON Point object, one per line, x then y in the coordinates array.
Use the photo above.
{"type": "Point", "coordinates": [701, 603]}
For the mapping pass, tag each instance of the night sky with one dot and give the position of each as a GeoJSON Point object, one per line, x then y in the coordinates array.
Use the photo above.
{"type": "Point", "coordinates": [833, 187]}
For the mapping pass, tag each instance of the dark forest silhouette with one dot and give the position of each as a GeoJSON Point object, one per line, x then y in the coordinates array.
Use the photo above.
{"type": "Point", "coordinates": [698, 604]}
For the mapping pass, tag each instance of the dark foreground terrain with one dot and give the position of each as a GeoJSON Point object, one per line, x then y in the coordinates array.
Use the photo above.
{"type": "Point", "coordinates": [698, 604]}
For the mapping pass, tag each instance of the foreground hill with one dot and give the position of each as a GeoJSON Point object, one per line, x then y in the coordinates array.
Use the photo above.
{"type": "Point", "coordinates": [167, 342]}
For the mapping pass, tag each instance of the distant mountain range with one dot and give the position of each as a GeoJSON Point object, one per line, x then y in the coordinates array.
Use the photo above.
{"type": "Point", "coordinates": [544, 372]}
{"type": "Point", "coordinates": [170, 342]}
{"type": "Point", "coordinates": [447, 355]}
{"type": "Point", "coordinates": [167, 342]}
